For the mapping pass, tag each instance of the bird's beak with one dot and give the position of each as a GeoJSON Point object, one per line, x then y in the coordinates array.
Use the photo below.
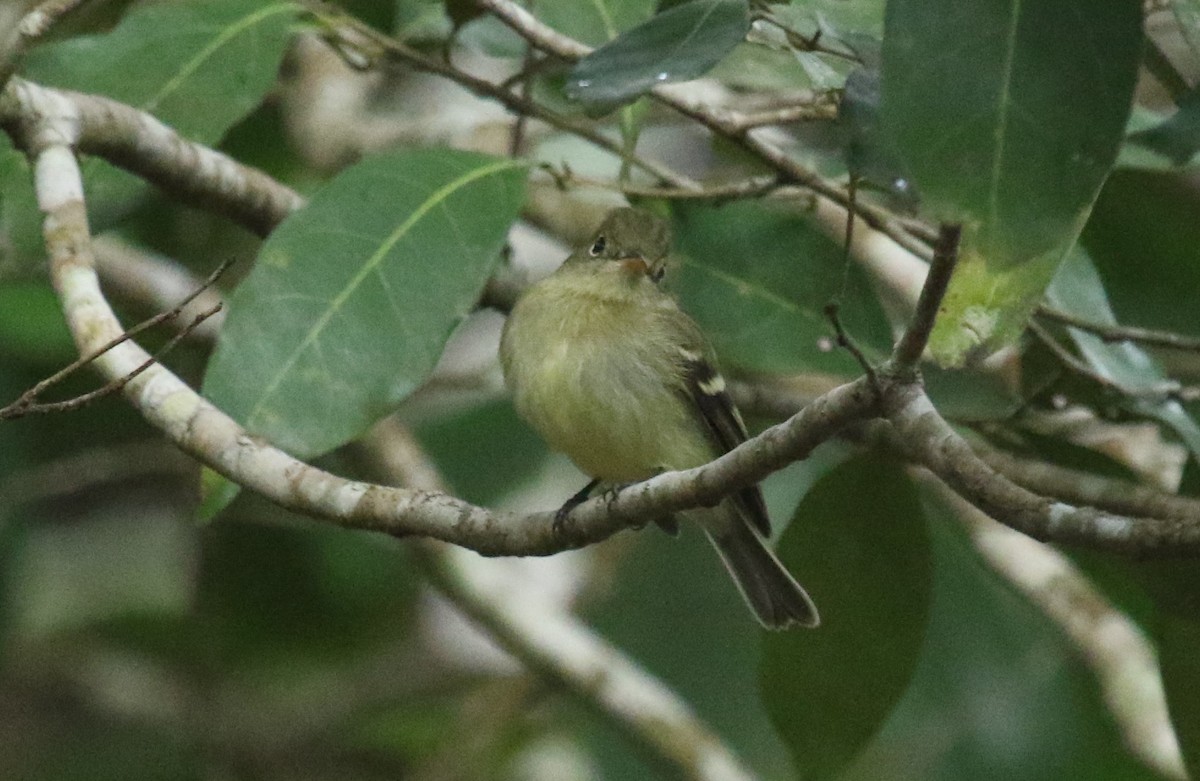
{"type": "Point", "coordinates": [634, 266]}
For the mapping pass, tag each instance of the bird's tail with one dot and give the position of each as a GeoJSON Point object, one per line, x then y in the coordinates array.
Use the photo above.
{"type": "Point", "coordinates": [777, 600]}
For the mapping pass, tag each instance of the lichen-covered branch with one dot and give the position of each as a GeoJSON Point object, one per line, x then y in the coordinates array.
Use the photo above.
{"type": "Point", "coordinates": [139, 143]}
{"type": "Point", "coordinates": [930, 441]}
{"type": "Point", "coordinates": [55, 121]}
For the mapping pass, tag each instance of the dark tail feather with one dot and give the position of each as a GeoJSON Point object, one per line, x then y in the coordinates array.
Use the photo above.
{"type": "Point", "coordinates": [777, 600]}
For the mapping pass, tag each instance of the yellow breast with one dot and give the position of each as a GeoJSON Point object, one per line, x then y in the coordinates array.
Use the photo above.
{"type": "Point", "coordinates": [585, 377]}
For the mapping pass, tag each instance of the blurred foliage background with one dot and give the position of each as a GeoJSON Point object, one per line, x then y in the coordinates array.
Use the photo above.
{"type": "Point", "coordinates": [137, 642]}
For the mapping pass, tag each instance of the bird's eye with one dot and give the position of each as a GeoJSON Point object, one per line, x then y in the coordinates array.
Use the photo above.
{"type": "Point", "coordinates": [598, 246]}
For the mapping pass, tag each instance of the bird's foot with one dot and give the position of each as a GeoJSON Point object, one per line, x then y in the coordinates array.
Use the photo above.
{"type": "Point", "coordinates": [579, 498]}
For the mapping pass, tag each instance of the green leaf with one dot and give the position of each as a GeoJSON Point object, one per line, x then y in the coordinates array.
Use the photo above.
{"type": "Point", "coordinates": [1187, 12]}
{"type": "Point", "coordinates": [32, 328]}
{"type": "Point", "coordinates": [1078, 290]}
{"type": "Point", "coordinates": [695, 632]}
{"type": "Point", "coordinates": [846, 21]}
{"type": "Point", "coordinates": [754, 67]}
{"type": "Point", "coordinates": [680, 44]}
{"type": "Point", "coordinates": [594, 22]}
{"type": "Point", "coordinates": [1008, 116]}
{"type": "Point", "coordinates": [999, 692]}
{"type": "Point", "coordinates": [484, 453]}
{"type": "Point", "coordinates": [1176, 138]}
{"type": "Point", "coordinates": [860, 545]}
{"type": "Point", "coordinates": [1143, 236]}
{"type": "Point", "coordinates": [870, 153]}
{"type": "Point", "coordinates": [757, 279]}
{"type": "Point", "coordinates": [199, 66]}
{"type": "Point", "coordinates": [353, 297]}
{"type": "Point", "coordinates": [20, 219]}
{"type": "Point", "coordinates": [1178, 638]}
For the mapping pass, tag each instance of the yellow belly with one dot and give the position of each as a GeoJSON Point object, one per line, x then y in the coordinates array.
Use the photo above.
{"type": "Point", "coordinates": [599, 400]}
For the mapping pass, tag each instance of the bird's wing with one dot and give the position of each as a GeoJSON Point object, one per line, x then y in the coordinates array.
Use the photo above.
{"type": "Point", "coordinates": [709, 398]}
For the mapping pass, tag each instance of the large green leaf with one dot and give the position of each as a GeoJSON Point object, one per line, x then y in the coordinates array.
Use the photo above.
{"type": "Point", "coordinates": [20, 220]}
{"type": "Point", "coordinates": [483, 453]}
{"type": "Point", "coordinates": [1145, 239]}
{"type": "Point", "coordinates": [1187, 12]}
{"type": "Point", "coordinates": [757, 278]}
{"type": "Point", "coordinates": [1078, 290]}
{"type": "Point", "coordinates": [198, 65]}
{"type": "Point", "coordinates": [673, 609]}
{"type": "Point", "coordinates": [1008, 116]}
{"type": "Point", "coordinates": [999, 691]}
{"type": "Point", "coordinates": [676, 45]}
{"type": "Point", "coordinates": [860, 545]}
{"type": "Point", "coordinates": [32, 329]}
{"type": "Point", "coordinates": [354, 296]}
{"type": "Point", "coordinates": [1171, 143]}
{"type": "Point", "coordinates": [594, 22]}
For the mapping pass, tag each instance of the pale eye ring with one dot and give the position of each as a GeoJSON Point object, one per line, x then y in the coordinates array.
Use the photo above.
{"type": "Point", "coordinates": [598, 246]}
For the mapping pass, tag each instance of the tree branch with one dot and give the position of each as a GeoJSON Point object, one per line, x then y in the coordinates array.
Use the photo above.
{"type": "Point", "coordinates": [28, 404]}
{"type": "Point", "coordinates": [557, 647]}
{"type": "Point", "coordinates": [204, 431]}
{"type": "Point", "coordinates": [142, 145]}
{"type": "Point", "coordinates": [930, 441]}
{"type": "Point", "coordinates": [215, 439]}
{"type": "Point", "coordinates": [907, 355]}
{"type": "Point", "coordinates": [1071, 485]}
{"type": "Point", "coordinates": [1159, 391]}
{"type": "Point", "coordinates": [724, 124]}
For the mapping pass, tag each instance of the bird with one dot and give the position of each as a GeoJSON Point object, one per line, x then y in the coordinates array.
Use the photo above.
{"type": "Point", "coordinates": [603, 363]}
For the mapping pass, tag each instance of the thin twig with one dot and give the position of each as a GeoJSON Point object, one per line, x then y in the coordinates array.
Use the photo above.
{"type": "Point", "coordinates": [751, 187]}
{"type": "Point", "coordinates": [844, 340]}
{"type": "Point", "coordinates": [353, 32]}
{"type": "Point", "coordinates": [27, 403]}
{"type": "Point", "coordinates": [522, 119]}
{"type": "Point", "coordinates": [820, 109]}
{"type": "Point", "coordinates": [907, 354]}
{"type": "Point", "coordinates": [1161, 391]}
{"type": "Point", "coordinates": [806, 43]}
{"type": "Point", "coordinates": [1123, 333]}
{"type": "Point", "coordinates": [153, 282]}
{"type": "Point", "coordinates": [677, 97]}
